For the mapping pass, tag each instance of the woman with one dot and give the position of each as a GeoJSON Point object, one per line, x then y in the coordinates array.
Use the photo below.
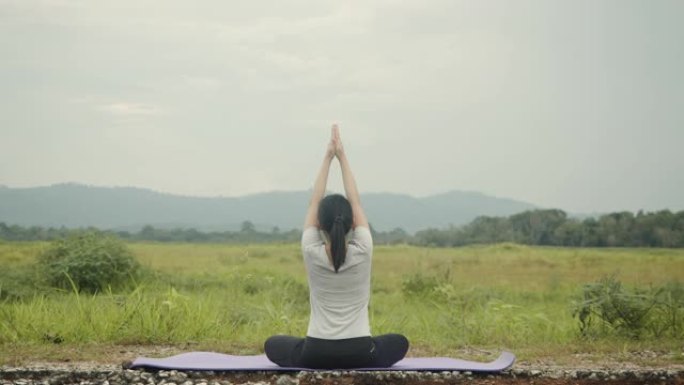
{"type": "Point", "coordinates": [337, 248]}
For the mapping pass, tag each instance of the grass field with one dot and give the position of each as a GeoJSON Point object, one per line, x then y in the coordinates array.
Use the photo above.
{"type": "Point", "coordinates": [232, 297]}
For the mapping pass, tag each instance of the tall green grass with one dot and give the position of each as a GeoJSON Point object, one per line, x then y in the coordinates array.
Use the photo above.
{"type": "Point", "coordinates": [492, 297]}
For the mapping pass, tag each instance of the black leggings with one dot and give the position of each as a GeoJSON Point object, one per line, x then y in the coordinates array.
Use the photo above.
{"type": "Point", "coordinates": [315, 353]}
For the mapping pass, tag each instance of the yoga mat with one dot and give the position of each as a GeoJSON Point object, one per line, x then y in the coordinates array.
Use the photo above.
{"type": "Point", "coordinates": [226, 362]}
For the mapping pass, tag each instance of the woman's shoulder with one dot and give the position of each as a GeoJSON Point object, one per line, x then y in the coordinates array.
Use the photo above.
{"type": "Point", "coordinates": [311, 236]}
{"type": "Point", "coordinates": [362, 238]}
{"type": "Point", "coordinates": [361, 231]}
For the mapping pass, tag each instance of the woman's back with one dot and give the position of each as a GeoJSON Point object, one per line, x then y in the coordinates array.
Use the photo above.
{"type": "Point", "coordinates": [339, 282]}
{"type": "Point", "coordinates": [339, 300]}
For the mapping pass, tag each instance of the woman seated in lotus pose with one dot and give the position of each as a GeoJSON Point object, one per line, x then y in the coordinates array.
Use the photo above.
{"type": "Point", "coordinates": [337, 248]}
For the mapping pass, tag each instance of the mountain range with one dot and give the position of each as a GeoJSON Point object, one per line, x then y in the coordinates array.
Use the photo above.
{"type": "Point", "coordinates": [129, 208]}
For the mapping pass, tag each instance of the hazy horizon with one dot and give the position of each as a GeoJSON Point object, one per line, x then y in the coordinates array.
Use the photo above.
{"type": "Point", "coordinates": [328, 191]}
{"type": "Point", "coordinates": [572, 105]}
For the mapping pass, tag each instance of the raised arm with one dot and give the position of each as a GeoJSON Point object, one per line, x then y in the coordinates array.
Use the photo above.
{"type": "Point", "coordinates": [350, 189]}
{"type": "Point", "coordinates": [319, 186]}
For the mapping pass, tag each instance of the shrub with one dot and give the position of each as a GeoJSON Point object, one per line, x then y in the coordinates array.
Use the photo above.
{"type": "Point", "coordinates": [607, 306]}
{"type": "Point", "coordinates": [669, 310]}
{"type": "Point", "coordinates": [18, 283]}
{"type": "Point", "coordinates": [88, 261]}
{"type": "Point", "coordinates": [436, 288]}
{"type": "Point", "coordinates": [419, 285]}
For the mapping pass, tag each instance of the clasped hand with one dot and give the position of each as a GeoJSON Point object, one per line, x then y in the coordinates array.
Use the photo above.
{"type": "Point", "coordinates": [335, 148]}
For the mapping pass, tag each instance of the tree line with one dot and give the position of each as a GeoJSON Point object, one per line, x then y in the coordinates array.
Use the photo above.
{"type": "Point", "coordinates": [247, 234]}
{"type": "Point", "coordinates": [555, 228]}
{"type": "Point", "coordinates": [536, 227]}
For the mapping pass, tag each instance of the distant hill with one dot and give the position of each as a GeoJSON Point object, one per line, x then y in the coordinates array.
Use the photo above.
{"type": "Point", "coordinates": [129, 208]}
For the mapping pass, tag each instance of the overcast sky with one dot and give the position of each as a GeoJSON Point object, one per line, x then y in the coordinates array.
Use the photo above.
{"type": "Point", "coordinates": [575, 104]}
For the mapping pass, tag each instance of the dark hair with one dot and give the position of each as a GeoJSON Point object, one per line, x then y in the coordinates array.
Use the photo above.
{"type": "Point", "coordinates": [335, 218]}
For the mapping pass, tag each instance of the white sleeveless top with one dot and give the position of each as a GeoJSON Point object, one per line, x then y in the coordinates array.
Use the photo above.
{"type": "Point", "coordinates": [339, 301]}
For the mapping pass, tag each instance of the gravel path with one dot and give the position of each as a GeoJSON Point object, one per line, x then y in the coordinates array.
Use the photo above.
{"type": "Point", "coordinates": [93, 374]}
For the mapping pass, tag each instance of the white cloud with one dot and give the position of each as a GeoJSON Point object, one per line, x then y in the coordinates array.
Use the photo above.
{"type": "Point", "coordinates": [202, 82]}
{"type": "Point", "coordinates": [514, 99]}
{"type": "Point", "coordinates": [130, 109]}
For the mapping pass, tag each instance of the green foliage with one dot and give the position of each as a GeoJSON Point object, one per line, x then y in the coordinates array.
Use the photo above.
{"type": "Point", "coordinates": [553, 228]}
{"type": "Point", "coordinates": [88, 261]}
{"type": "Point", "coordinates": [550, 227]}
{"type": "Point", "coordinates": [233, 297]}
{"type": "Point", "coordinates": [669, 310]}
{"type": "Point", "coordinates": [439, 289]}
{"type": "Point", "coordinates": [419, 285]}
{"type": "Point", "coordinates": [247, 234]}
{"type": "Point", "coordinates": [19, 282]}
{"type": "Point", "coordinates": [608, 307]}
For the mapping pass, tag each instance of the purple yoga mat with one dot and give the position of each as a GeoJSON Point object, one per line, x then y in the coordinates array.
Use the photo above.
{"type": "Point", "coordinates": [226, 362]}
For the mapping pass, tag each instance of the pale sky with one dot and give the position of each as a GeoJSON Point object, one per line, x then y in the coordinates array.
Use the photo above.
{"type": "Point", "coordinates": [575, 104]}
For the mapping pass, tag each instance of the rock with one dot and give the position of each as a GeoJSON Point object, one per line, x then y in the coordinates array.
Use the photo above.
{"type": "Point", "coordinates": [286, 380]}
{"type": "Point", "coordinates": [130, 375]}
{"type": "Point", "coordinates": [302, 374]}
